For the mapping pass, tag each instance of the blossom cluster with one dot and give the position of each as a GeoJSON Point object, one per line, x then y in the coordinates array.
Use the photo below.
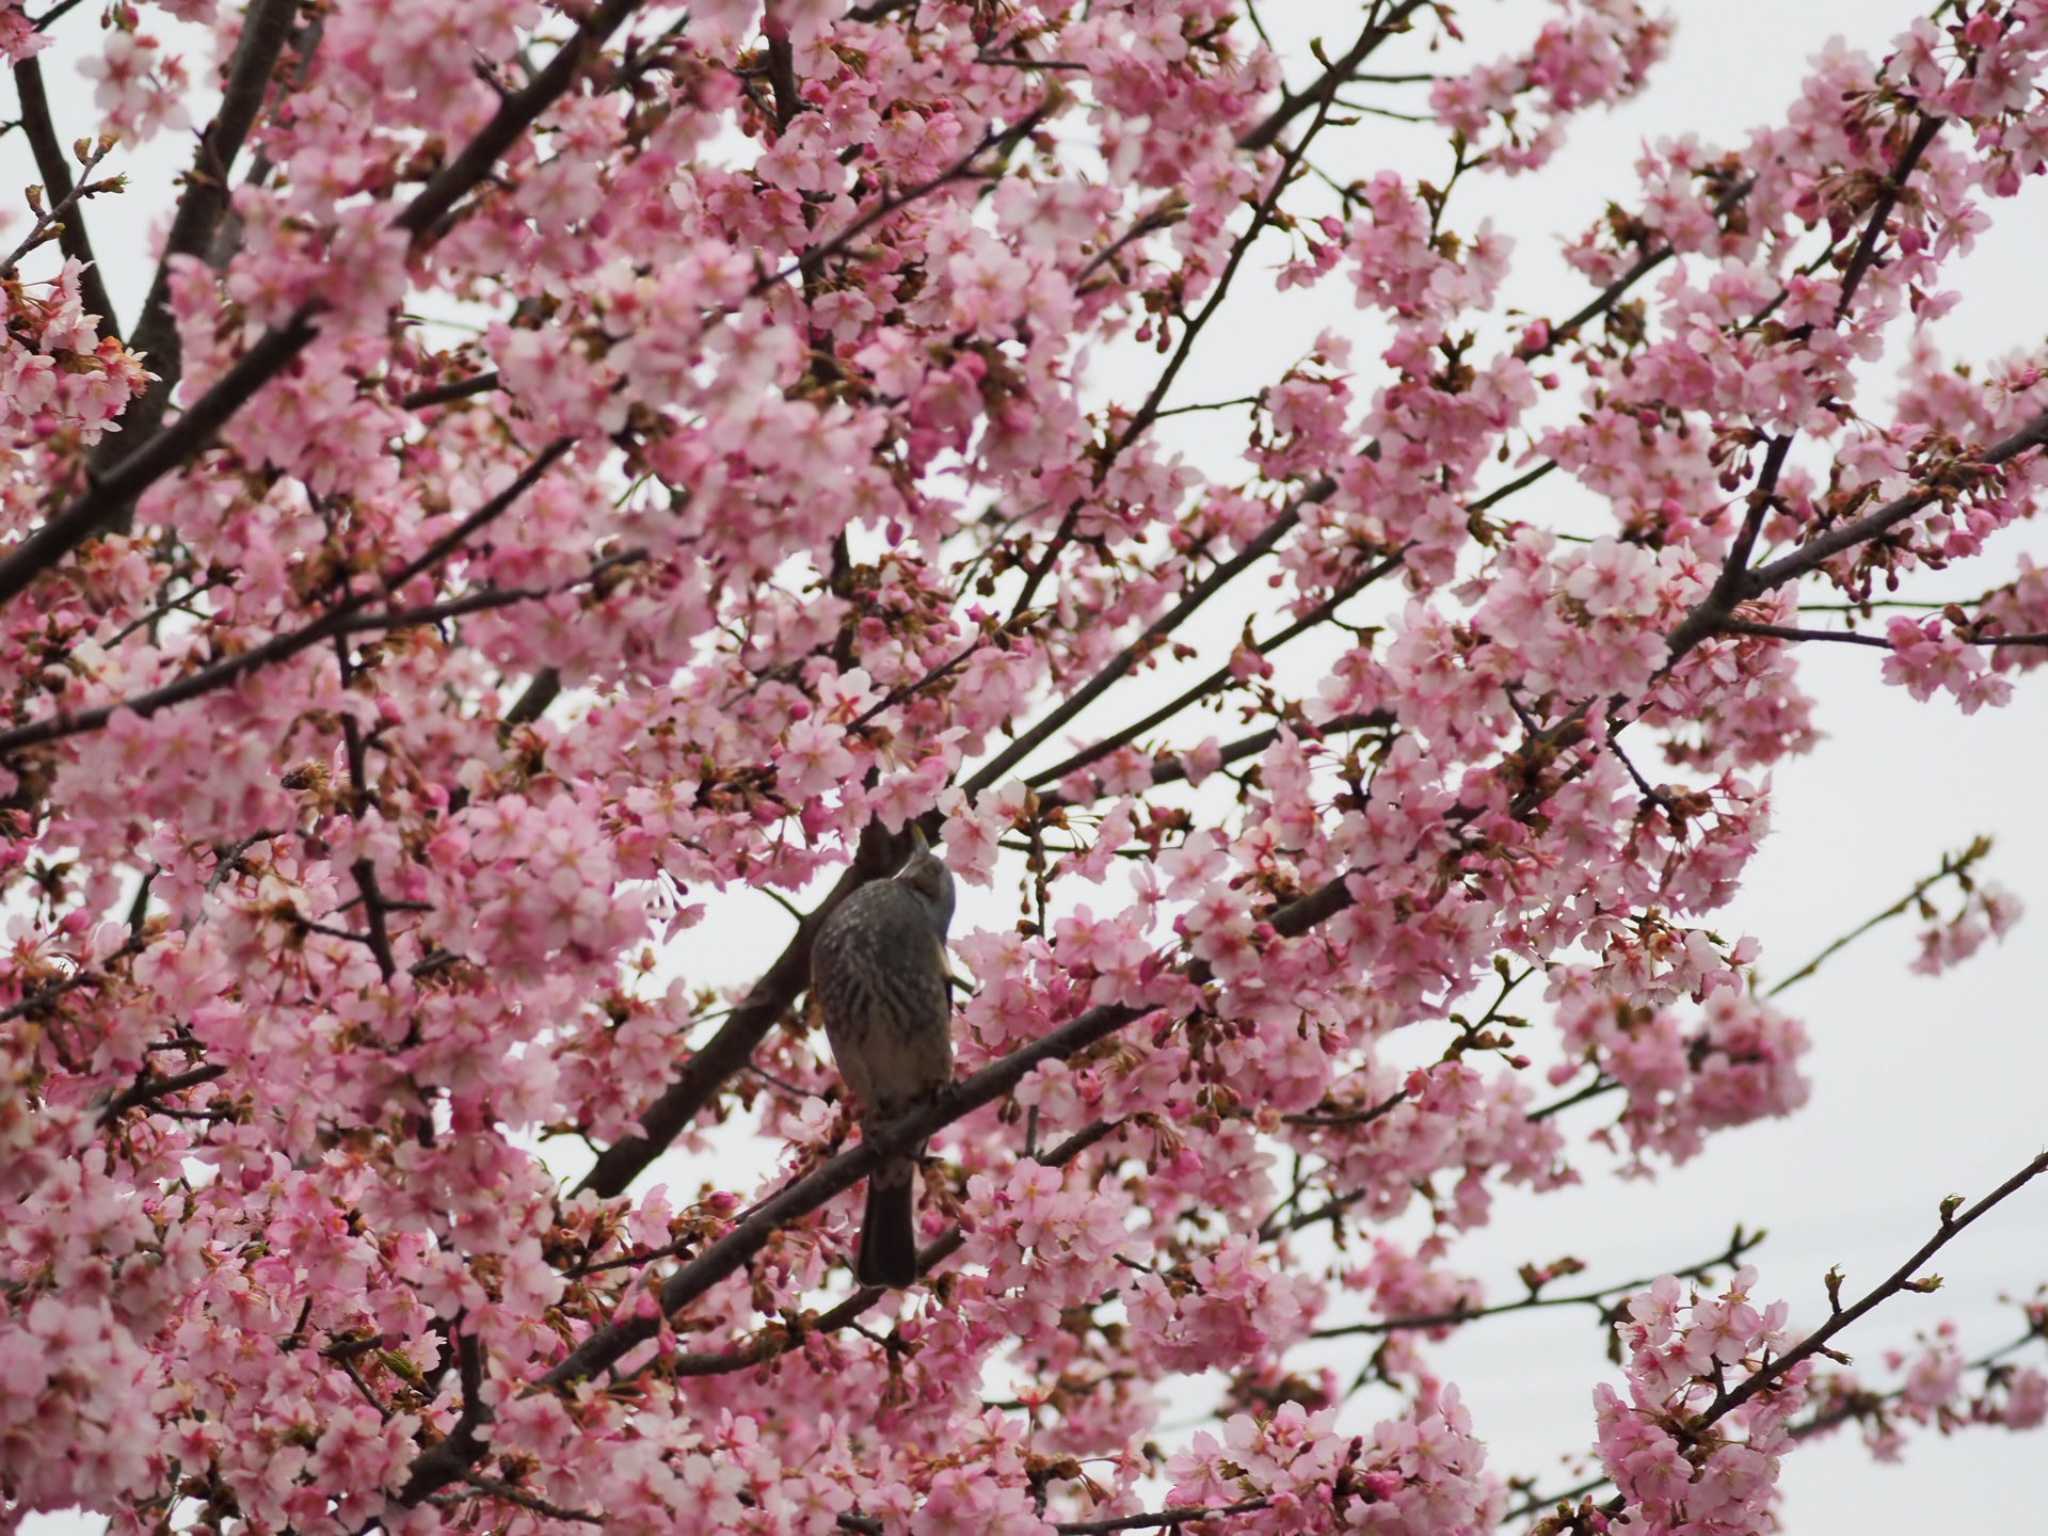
{"type": "Point", "coordinates": [592, 477]}
{"type": "Point", "coordinates": [1670, 1445]}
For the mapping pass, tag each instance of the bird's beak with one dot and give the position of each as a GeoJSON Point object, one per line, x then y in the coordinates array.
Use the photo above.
{"type": "Point", "coordinates": [917, 843]}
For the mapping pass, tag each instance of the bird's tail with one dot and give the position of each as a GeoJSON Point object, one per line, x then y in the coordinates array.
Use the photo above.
{"type": "Point", "coordinates": [888, 1234]}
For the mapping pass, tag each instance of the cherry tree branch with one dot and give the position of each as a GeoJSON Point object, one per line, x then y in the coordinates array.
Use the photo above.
{"type": "Point", "coordinates": [1737, 582]}
{"type": "Point", "coordinates": [1865, 254]}
{"type": "Point", "coordinates": [85, 975]}
{"type": "Point", "coordinates": [1900, 1279]}
{"type": "Point", "coordinates": [146, 1091]}
{"type": "Point", "coordinates": [769, 1343]}
{"type": "Point", "coordinates": [164, 450]}
{"type": "Point", "coordinates": [1599, 1300]}
{"type": "Point", "coordinates": [1817, 1342]}
{"type": "Point", "coordinates": [336, 620]}
{"type": "Point", "coordinates": [1216, 680]}
{"type": "Point", "coordinates": [1218, 578]}
{"type": "Point", "coordinates": [1953, 866]}
{"type": "Point", "coordinates": [451, 1458]}
{"type": "Point", "coordinates": [508, 1494]}
{"type": "Point", "coordinates": [1323, 89]}
{"type": "Point", "coordinates": [265, 30]}
{"type": "Point", "coordinates": [55, 170]}
{"type": "Point", "coordinates": [1176, 1515]}
{"type": "Point", "coordinates": [1849, 637]}
{"type": "Point", "coordinates": [1148, 410]}
{"type": "Point", "coordinates": [1864, 1404]}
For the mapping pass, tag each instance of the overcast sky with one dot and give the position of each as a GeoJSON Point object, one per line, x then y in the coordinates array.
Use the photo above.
{"type": "Point", "coordinates": [1921, 1088]}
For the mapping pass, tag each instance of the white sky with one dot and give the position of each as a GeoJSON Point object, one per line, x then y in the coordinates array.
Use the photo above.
{"type": "Point", "coordinates": [1921, 1088]}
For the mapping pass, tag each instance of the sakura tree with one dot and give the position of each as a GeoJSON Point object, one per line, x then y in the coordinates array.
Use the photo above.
{"type": "Point", "coordinates": [578, 466]}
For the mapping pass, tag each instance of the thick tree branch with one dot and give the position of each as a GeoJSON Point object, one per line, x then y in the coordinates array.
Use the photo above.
{"type": "Point", "coordinates": [102, 504]}
{"type": "Point", "coordinates": [450, 1459]}
{"type": "Point", "coordinates": [1712, 613]}
{"type": "Point", "coordinates": [265, 30]}
{"type": "Point", "coordinates": [146, 1091]}
{"type": "Point", "coordinates": [769, 1344]}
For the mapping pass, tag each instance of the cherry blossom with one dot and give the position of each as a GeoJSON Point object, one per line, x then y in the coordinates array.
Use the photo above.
{"type": "Point", "coordinates": [588, 480]}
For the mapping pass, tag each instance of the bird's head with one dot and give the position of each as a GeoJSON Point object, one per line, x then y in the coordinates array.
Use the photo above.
{"type": "Point", "coordinates": [927, 876]}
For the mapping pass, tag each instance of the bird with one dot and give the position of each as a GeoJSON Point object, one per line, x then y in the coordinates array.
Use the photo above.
{"type": "Point", "coordinates": [879, 977]}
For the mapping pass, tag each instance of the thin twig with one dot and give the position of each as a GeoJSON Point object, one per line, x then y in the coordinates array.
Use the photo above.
{"type": "Point", "coordinates": [1741, 1243]}
{"type": "Point", "coordinates": [1951, 865]}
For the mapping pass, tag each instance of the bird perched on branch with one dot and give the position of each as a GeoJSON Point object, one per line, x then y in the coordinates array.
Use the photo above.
{"type": "Point", "coordinates": [879, 975]}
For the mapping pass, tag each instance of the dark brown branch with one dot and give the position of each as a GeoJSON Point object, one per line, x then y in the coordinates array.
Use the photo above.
{"type": "Point", "coordinates": [450, 1459]}
{"type": "Point", "coordinates": [545, 688]}
{"type": "Point", "coordinates": [809, 259]}
{"type": "Point", "coordinates": [1217, 679]}
{"type": "Point", "coordinates": [265, 31]}
{"type": "Point", "coordinates": [767, 1346]}
{"type": "Point", "coordinates": [1737, 582]}
{"type": "Point", "coordinates": [49, 223]}
{"type": "Point", "coordinates": [1818, 1341]}
{"type": "Point", "coordinates": [1902, 1278]}
{"type": "Point", "coordinates": [54, 14]}
{"type": "Point", "coordinates": [104, 502]}
{"type": "Point", "coordinates": [525, 1500]}
{"type": "Point", "coordinates": [1866, 248]}
{"type": "Point", "coordinates": [1178, 1515]}
{"type": "Point", "coordinates": [1322, 91]}
{"type": "Point", "coordinates": [1815, 552]}
{"type": "Point", "coordinates": [146, 1091]}
{"type": "Point", "coordinates": [486, 599]}
{"type": "Point", "coordinates": [1538, 1503]}
{"type": "Point", "coordinates": [1787, 632]}
{"type": "Point", "coordinates": [1598, 1088]}
{"type": "Point", "coordinates": [459, 389]}
{"type": "Point", "coordinates": [55, 170]}
{"type": "Point", "coordinates": [1329, 1119]}
{"type": "Point", "coordinates": [516, 113]}
{"type": "Point", "coordinates": [1606, 298]}
{"type": "Point", "coordinates": [281, 647]}
{"type": "Point", "coordinates": [85, 975]}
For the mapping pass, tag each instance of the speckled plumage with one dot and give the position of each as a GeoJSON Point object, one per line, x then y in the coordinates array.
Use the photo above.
{"type": "Point", "coordinates": [878, 972]}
